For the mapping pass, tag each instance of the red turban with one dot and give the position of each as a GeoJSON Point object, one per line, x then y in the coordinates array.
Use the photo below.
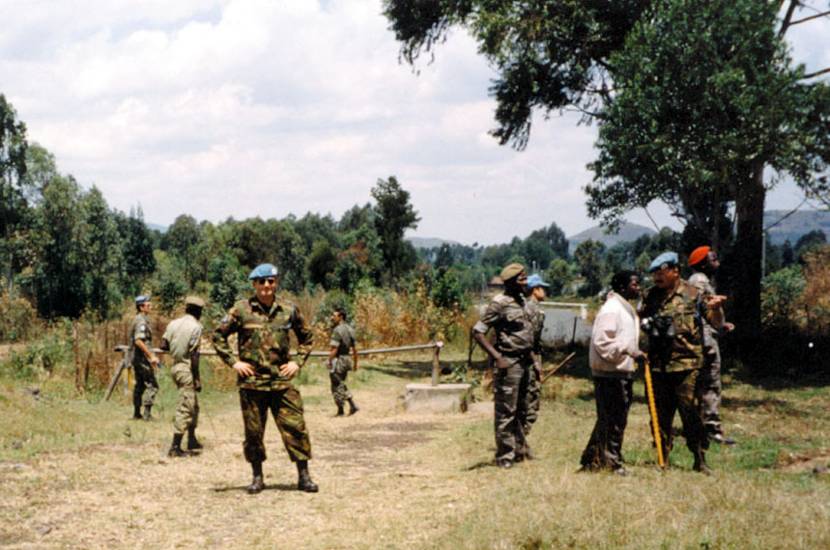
{"type": "Point", "coordinates": [698, 255]}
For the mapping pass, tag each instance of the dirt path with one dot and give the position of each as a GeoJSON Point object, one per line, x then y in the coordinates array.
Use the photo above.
{"type": "Point", "coordinates": [380, 473]}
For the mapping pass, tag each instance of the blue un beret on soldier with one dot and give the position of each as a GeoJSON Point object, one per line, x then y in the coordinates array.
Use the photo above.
{"type": "Point", "coordinates": [142, 299]}
{"type": "Point", "coordinates": [263, 270]}
{"type": "Point", "coordinates": [665, 259]}
{"type": "Point", "coordinates": [536, 280]}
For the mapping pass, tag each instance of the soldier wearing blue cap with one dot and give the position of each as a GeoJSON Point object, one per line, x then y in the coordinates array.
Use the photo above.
{"type": "Point", "coordinates": [264, 372]}
{"type": "Point", "coordinates": [511, 318]}
{"type": "Point", "coordinates": [142, 359]}
{"type": "Point", "coordinates": [673, 313]}
{"type": "Point", "coordinates": [536, 287]}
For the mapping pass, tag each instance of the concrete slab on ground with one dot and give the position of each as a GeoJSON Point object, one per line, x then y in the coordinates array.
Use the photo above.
{"type": "Point", "coordinates": [440, 398]}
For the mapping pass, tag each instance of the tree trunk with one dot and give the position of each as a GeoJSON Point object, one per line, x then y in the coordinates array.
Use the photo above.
{"type": "Point", "coordinates": [749, 209]}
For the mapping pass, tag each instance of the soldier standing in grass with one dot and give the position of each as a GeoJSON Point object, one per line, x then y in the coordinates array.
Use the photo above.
{"type": "Point", "coordinates": [614, 349]}
{"type": "Point", "coordinates": [181, 340]}
{"type": "Point", "coordinates": [537, 289]}
{"type": "Point", "coordinates": [704, 261]}
{"type": "Point", "coordinates": [342, 344]}
{"type": "Point", "coordinates": [143, 360]}
{"type": "Point", "coordinates": [512, 320]}
{"type": "Point", "coordinates": [674, 312]}
{"type": "Point", "coordinates": [265, 370]}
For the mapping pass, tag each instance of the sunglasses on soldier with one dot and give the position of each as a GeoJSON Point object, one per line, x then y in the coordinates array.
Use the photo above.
{"type": "Point", "coordinates": [263, 280]}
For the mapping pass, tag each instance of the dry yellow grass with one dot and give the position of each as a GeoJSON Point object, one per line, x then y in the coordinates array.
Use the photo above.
{"type": "Point", "coordinates": [393, 480]}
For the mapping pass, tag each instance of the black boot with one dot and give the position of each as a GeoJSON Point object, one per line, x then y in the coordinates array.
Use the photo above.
{"type": "Point", "coordinates": [146, 415]}
{"type": "Point", "coordinates": [176, 448]}
{"type": "Point", "coordinates": [700, 464]}
{"type": "Point", "coordinates": [257, 484]}
{"type": "Point", "coordinates": [339, 409]}
{"type": "Point", "coordinates": [304, 482]}
{"type": "Point", "coordinates": [136, 412]}
{"type": "Point", "coordinates": [352, 407]}
{"type": "Point", "coordinates": [193, 443]}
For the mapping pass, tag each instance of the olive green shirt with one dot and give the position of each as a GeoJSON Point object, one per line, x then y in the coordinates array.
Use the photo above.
{"type": "Point", "coordinates": [140, 330]}
{"type": "Point", "coordinates": [183, 335]}
{"type": "Point", "coordinates": [262, 340]}
{"type": "Point", "coordinates": [512, 321]}
{"type": "Point", "coordinates": [343, 338]}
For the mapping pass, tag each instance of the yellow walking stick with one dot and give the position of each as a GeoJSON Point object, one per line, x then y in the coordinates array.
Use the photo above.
{"type": "Point", "coordinates": [652, 410]}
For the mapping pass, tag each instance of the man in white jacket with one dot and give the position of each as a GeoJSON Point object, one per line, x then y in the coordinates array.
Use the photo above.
{"type": "Point", "coordinates": [613, 354]}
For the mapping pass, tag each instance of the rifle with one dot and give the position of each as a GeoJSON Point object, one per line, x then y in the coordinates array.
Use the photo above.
{"type": "Point", "coordinates": [557, 367]}
{"type": "Point", "coordinates": [652, 409]}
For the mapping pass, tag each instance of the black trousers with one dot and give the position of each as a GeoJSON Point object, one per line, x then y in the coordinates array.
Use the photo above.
{"type": "Point", "coordinates": [613, 399]}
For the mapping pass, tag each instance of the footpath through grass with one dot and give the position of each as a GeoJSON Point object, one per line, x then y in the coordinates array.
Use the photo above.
{"type": "Point", "coordinates": [76, 473]}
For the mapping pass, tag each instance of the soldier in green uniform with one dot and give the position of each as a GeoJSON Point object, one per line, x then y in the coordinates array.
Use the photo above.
{"type": "Point", "coordinates": [537, 289]}
{"type": "Point", "coordinates": [264, 367]}
{"type": "Point", "coordinates": [673, 312]}
{"type": "Point", "coordinates": [142, 359]}
{"type": "Point", "coordinates": [512, 320]}
{"type": "Point", "coordinates": [181, 340]}
{"type": "Point", "coordinates": [342, 344]}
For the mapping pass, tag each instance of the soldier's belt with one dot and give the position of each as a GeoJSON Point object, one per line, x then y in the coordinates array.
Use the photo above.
{"type": "Point", "coordinates": [516, 353]}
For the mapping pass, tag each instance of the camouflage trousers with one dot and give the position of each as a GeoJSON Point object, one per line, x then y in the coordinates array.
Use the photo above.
{"type": "Point", "coordinates": [534, 397]}
{"type": "Point", "coordinates": [510, 388]}
{"type": "Point", "coordinates": [679, 391]}
{"type": "Point", "coordinates": [613, 400]}
{"type": "Point", "coordinates": [340, 367]}
{"type": "Point", "coordinates": [146, 386]}
{"type": "Point", "coordinates": [187, 406]}
{"type": "Point", "coordinates": [710, 391]}
{"type": "Point", "coordinates": [286, 406]}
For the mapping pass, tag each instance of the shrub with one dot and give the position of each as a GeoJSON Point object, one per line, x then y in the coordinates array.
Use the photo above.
{"type": "Point", "coordinates": [18, 319]}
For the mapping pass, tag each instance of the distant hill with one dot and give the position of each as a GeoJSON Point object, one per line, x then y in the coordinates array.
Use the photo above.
{"type": "Point", "coordinates": [428, 242]}
{"type": "Point", "coordinates": [157, 227]}
{"type": "Point", "coordinates": [628, 232]}
{"type": "Point", "coordinates": [795, 225]}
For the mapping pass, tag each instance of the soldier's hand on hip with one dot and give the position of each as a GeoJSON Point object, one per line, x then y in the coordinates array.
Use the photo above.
{"type": "Point", "coordinates": [289, 369]}
{"type": "Point", "coordinates": [243, 369]}
{"type": "Point", "coordinates": [502, 363]}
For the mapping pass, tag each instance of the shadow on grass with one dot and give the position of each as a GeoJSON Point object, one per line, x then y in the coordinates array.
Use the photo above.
{"type": "Point", "coordinates": [269, 487]}
{"type": "Point", "coordinates": [480, 465]}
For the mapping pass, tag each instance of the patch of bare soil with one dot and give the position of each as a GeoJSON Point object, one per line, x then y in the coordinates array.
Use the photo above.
{"type": "Point", "coordinates": [817, 462]}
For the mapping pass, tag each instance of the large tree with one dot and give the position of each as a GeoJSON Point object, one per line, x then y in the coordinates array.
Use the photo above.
{"type": "Point", "coordinates": [710, 109]}
{"type": "Point", "coordinates": [13, 206]}
{"type": "Point", "coordinates": [394, 215]}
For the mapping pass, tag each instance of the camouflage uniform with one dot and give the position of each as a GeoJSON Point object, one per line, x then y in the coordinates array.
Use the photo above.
{"type": "Point", "coordinates": [512, 319]}
{"type": "Point", "coordinates": [676, 363]}
{"type": "Point", "coordinates": [146, 387]}
{"type": "Point", "coordinates": [263, 342]}
{"type": "Point", "coordinates": [710, 383]}
{"type": "Point", "coordinates": [342, 337]}
{"type": "Point", "coordinates": [534, 390]}
{"type": "Point", "coordinates": [183, 335]}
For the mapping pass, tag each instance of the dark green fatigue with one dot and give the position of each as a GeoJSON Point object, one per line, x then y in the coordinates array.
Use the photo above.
{"type": "Point", "coordinates": [534, 390]}
{"type": "Point", "coordinates": [709, 379]}
{"type": "Point", "coordinates": [613, 400]}
{"type": "Point", "coordinates": [342, 337]}
{"type": "Point", "coordinates": [263, 342]}
{"type": "Point", "coordinates": [512, 321]}
{"type": "Point", "coordinates": [676, 356]}
{"type": "Point", "coordinates": [146, 386]}
{"type": "Point", "coordinates": [183, 335]}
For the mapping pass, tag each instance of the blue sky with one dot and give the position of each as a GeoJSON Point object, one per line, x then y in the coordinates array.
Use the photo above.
{"type": "Point", "coordinates": [222, 108]}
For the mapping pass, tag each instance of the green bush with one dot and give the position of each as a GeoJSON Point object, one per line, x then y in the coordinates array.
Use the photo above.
{"type": "Point", "coordinates": [18, 319]}
{"type": "Point", "coordinates": [41, 356]}
{"type": "Point", "coordinates": [781, 296]}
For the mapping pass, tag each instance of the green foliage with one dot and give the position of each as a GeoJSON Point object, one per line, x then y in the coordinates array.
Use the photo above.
{"type": "Point", "coordinates": [588, 256]}
{"type": "Point", "coordinates": [13, 203]}
{"type": "Point", "coordinates": [169, 284]}
{"type": "Point", "coordinates": [447, 292]}
{"type": "Point", "coordinates": [18, 319]}
{"type": "Point", "coordinates": [42, 356]}
{"type": "Point", "coordinates": [334, 299]}
{"type": "Point", "coordinates": [394, 215]}
{"type": "Point", "coordinates": [781, 295]}
{"type": "Point", "coordinates": [227, 280]}
{"type": "Point", "coordinates": [137, 250]}
{"type": "Point", "coordinates": [560, 276]}
{"type": "Point", "coordinates": [809, 242]}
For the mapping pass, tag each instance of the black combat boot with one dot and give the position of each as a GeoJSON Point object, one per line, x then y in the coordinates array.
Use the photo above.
{"type": "Point", "coordinates": [176, 448]}
{"type": "Point", "coordinates": [257, 484]}
{"type": "Point", "coordinates": [193, 443]}
{"type": "Point", "coordinates": [146, 415]}
{"type": "Point", "coordinates": [352, 407]}
{"type": "Point", "coordinates": [137, 412]}
{"type": "Point", "coordinates": [304, 482]}
{"type": "Point", "coordinates": [339, 409]}
{"type": "Point", "coordinates": [700, 464]}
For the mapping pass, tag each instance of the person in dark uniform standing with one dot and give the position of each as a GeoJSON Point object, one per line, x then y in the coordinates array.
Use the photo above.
{"type": "Point", "coordinates": [341, 346]}
{"type": "Point", "coordinates": [537, 289]}
{"type": "Point", "coordinates": [142, 359]}
{"type": "Point", "coordinates": [673, 312]}
{"type": "Point", "coordinates": [265, 369]}
{"type": "Point", "coordinates": [512, 320]}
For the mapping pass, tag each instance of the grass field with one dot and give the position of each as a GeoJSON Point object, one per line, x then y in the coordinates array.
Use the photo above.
{"type": "Point", "coordinates": [76, 473]}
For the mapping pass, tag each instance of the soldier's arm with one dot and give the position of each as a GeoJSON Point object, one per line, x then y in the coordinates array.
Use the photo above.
{"type": "Point", "coordinates": [334, 343]}
{"type": "Point", "coordinates": [148, 353]}
{"type": "Point", "coordinates": [488, 319]}
{"type": "Point", "coordinates": [193, 346]}
{"type": "Point", "coordinates": [229, 325]}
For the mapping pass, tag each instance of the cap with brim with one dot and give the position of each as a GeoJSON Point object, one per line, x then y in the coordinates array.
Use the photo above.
{"type": "Point", "coordinates": [536, 280]}
{"type": "Point", "coordinates": [141, 299]}
{"type": "Point", "coordinates": [194, 301]}
{"type": "Point", "coordinates": [263, 270]}
{"type": "Point", "coordinates": [511, 271]}
{"type": "Point", "coordinates": [666, 259]}
{"type": "Point", "coordinates": [698, 255]}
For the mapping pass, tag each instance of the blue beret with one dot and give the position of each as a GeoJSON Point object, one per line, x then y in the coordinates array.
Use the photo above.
{"type": "Point", "coordinates": [264, 270]}
{"type": "Point", "coordinates": [142, 299]}
{"type": "Point", "coordinates": [536, 280]}
{"type": "Point", "coordinates": [664, 259]}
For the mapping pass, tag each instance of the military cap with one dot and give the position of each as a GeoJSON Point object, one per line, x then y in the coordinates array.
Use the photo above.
{"type": "Point", "coordinates": [141, 299]}
{"type": "Point", "coordinates": [665, 259]}
{"type": "Point", "coordinates": [698, 255]}
{"type": "Point", "coordinates": [511, 271]}
{"type": "Point", "coordinates": [194, 301]}
{"type": "Point", "coordinates": [264, 270]}
{"type": "Point", "coordinates": [536, 280]}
